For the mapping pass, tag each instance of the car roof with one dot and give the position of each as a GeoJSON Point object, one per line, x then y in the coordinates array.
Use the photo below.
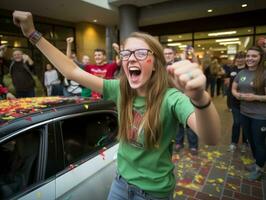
{"type": "Point", "coordinates": [17, 114]}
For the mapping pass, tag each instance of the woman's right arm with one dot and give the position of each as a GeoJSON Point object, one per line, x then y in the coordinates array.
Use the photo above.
{"type": "Point", "coordinates": [65, 65]}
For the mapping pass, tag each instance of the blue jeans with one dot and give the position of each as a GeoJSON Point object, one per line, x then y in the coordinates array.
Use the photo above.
{"type": "Point", "coordinates": [255, 129]}
{"type": "Point", "coordinates": [122, 190]}
{"type": "Point", "coordinates": [191, 137]}
{"type": "Point", "coordinates": [236, 126]}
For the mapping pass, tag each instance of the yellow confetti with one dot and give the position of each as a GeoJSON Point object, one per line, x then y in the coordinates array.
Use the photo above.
{"type": "Point", "coordinates": [86, 106]}
{"type": "Point", "coordinates": [179, 193]}
{"type": "Point", "coordinates": [199, 178]}
{"type": "Point", "coordinates": [220, 180]}
{"type": "Point", "coordinates": [234, 187]}
{"type": "Point", "coordinates": [246, 161]}
{"type": "Point", "coordinates": [211, 181]}
{"type": "Point", "coordinates": [8, 118]}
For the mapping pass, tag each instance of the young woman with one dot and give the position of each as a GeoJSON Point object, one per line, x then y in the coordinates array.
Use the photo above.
{"type": "Point", "coordinates": [239, 64]}
{"type": "Point", "coordinates": [249, 87]}
{"type": "Point", "coordinates": [148, 109]}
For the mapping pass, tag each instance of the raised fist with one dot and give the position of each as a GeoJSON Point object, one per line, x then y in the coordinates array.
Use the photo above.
{"type": "Point", "coordinates": [70, 40]}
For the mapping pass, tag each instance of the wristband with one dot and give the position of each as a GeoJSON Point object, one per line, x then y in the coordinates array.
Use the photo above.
{"type": "Point", "coordinates": [203, 106]}
{"type": "Point", "coordinates": [34, 37]}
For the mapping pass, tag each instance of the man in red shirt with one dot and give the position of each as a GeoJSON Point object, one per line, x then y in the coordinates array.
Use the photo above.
{"type": "Point", "coordinates": [101, 68]}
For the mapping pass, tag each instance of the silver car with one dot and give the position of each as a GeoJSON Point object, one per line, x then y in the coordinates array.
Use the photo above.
{"type": "Point", "coordinates": [57, 148]}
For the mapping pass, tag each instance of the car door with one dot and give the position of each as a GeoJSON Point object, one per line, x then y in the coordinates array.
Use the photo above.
{"type": "Point", "coordinates": [45, 184]}
{"type": "Point", "coordinates": [21, 155]}
{"type": "Point", "coordinates": [90, 148]}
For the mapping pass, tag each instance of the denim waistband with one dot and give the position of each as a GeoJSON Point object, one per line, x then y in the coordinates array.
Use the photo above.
{"type": "Point", "coordinates": [135, 189]}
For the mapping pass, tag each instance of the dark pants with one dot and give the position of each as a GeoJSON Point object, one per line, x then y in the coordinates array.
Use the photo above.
{"type": "Point", "coordinates": [57, 90]}
{"type": "Point", "coordinates": [29, 93]}
{"type": "Point", "coordinates": [191, 137]}
{"type": "Point", "coordinates": [236, 128]}
{"type": "Point", "coordinates": [218, 86]}
{"type": "Point", "coordinates": [212, 85]}
{"type": "Point", "coordinates": [255, 129]}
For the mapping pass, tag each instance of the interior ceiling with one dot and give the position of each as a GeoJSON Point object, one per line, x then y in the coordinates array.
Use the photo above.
{"type": "Point", "coordinates": [151, 11]}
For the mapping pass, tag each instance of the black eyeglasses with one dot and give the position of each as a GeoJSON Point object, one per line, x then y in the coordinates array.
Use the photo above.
{"type": "Point", "coordinates": [140, 54]}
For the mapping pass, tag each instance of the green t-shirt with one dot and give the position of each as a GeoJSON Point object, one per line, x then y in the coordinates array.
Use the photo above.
{"type": "Point", "coordinates": [150, 169]}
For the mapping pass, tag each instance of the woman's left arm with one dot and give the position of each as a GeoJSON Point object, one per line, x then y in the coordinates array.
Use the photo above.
{"type": "Point", "coordinates": [205, 121]}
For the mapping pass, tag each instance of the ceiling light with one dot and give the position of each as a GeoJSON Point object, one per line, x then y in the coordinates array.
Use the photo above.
{"type": "Point", "coordinates": [95, 20]}
{"type": "Point", "coordinates": [222, 33]}
{"type": "Point", "coordinates": [244, 5]}
{"type": "Point", "coordinates": [233, 42]}
{"type": "Point", "coordinates": [219, 49]}
{"type": "Point", "coordinates": [198, 45]}
{"type": "Point", "coordinates": [4, 42]}
{"type": "Point", "coordinates": [210, 10]}
{"type": "Point", "coordinates": [173, 44]}
{"type": "Point", "coordinates": [227, 40]}
{"type": "Point", "coordinates": [169, 40]}
{"type": "Point", "coordinates": [183, 46]}
{"type": "Point", "coordinates": [223, 56]}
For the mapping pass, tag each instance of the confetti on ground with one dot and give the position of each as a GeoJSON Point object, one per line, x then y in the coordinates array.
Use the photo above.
{"type": "Point", "coordinates": [199, 179]}
{"type": "Point", "coordinates": [246, 160]}
{"type": "Point", "coordinates": [232, 186]}
{"type": "Point", "coordinates": [179, 193]}
{"type": "Point", "coordinates": [198, 173]}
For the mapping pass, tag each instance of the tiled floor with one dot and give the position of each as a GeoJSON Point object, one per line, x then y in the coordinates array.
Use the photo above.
{"type": "Point", "coordinates": [216, 173]}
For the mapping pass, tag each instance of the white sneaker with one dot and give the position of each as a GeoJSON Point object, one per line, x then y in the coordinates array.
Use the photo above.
{"type": "Point", "coordinates": [232, 147]}
{"type": "Point", "coordinates": [244, 148]}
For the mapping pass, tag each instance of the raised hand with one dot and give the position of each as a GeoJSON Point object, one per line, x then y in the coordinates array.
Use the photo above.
{"type": "Point", "coordinates": [188, 77]}
{"type": "Point", "coordinates": [70, 40]}
{"type": "Point", "coordinates": [116, 47]}
{"type": "Point", "coordinates": [25, 57]}
{"type": "Point", "coordinates": [24, 21]}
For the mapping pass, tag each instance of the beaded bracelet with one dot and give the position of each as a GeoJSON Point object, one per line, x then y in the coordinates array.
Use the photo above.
{"type": "Point", "coordinates": [203, 106]}
{"type": "Point", "coordinates": [34, 37]}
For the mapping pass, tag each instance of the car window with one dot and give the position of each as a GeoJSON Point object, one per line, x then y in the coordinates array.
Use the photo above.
{"type": "Point", "coordinates": [19, 157]}
{"type": "Point", "coordinates": [85, 135]}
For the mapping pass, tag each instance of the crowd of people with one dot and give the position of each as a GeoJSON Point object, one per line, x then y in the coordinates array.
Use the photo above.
{"type": "Point", "coordinates": [157, 92]}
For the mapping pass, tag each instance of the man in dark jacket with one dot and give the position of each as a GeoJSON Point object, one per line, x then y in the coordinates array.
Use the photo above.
{"type": "Point", "coordinates": [22, 78]}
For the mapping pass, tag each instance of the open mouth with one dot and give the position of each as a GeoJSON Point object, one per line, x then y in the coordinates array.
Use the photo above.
{"type": "Point", "coordinates": [134, 71]}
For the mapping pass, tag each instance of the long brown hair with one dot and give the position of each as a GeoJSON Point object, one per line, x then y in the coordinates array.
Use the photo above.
{"type": "Point", "coordinates": [259, 73]}
{"type": "Point", "coordinates": [157, 86]}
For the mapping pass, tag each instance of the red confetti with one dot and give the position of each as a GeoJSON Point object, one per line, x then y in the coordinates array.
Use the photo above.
{"type": "Point", "coordinates": [185, 181]}
{"type": "Point", "coordinates": [15, 114]}
{"type": "Point", "coordinates": [71, 167]}
{"type": "Point", "coordinates": [28, 118]}
{"type": "Point", "coordinates": [101, 152]}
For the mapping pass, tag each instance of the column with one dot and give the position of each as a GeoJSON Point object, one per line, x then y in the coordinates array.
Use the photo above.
{"type": "Point", "coordinates": [128, 15]}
